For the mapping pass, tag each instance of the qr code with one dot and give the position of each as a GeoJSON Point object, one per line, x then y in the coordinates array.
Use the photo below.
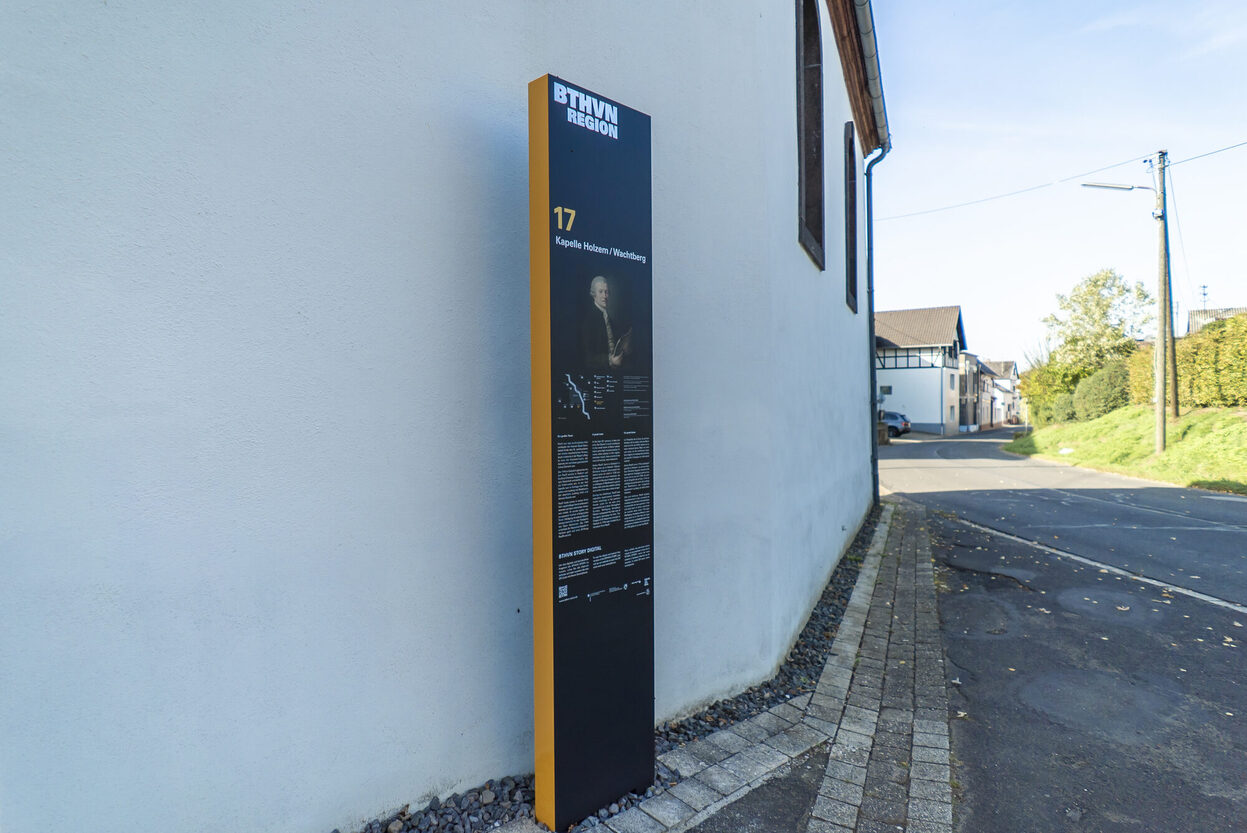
{"type": "Point", "coordinates": [562, 591]}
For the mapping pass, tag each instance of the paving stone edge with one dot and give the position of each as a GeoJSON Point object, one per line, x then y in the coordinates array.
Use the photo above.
{"type": "Point", "coordinates": [735, 761]}
{"type": "Point", "coordinates": [828, 698]}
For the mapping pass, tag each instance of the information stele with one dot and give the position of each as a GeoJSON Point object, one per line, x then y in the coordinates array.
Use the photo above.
{"type": "Point", "coordinates": [592, 396]}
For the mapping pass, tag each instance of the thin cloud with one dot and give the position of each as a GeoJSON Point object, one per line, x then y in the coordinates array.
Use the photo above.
{"type": "Point", "coordinates": [1122, 20]}
{"type": "Point", "coordinates": [1214, 28]}
{"type": "Point", "coordinates": [1218, 35]}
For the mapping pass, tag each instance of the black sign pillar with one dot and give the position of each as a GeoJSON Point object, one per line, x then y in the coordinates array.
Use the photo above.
{"type": "Point", "coordinates": [592, 389]}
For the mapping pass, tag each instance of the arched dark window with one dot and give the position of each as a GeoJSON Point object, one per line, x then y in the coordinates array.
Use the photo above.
{"type": "Point", "coordinates": [810, 131]}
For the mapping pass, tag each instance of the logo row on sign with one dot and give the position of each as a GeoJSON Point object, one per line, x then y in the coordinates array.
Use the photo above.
{"type": "Point", "coordinates": [588, 111]}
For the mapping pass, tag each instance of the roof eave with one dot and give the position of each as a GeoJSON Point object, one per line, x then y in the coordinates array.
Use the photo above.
{"type": "Point", "coordinates": [874, 77]}
{"type": "Point", "coordinates": [898, 346]}
{"type": "Point", "coordinates": [854, 27]}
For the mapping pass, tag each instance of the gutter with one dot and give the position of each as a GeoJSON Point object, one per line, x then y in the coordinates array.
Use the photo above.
{"type": "Point", "coordinates": [870, 317]}
{"type": "Point", "coordinates": [874, 81]}
{"type": "Point", "coordinates": [874, 86]}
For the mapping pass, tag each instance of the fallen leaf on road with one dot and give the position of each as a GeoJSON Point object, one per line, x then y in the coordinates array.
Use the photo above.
{"type": "Point", "coordinates": [1123, 607]}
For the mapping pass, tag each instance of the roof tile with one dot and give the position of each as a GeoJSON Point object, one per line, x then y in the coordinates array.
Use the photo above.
{"type": "Point", "coordinates": [928, 327]}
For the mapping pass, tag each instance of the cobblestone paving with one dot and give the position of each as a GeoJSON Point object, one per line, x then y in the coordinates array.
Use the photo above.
{"type": "Point", "coordinates": [880, 709]}
{"type": "Point", "coordinates": [889, 764]}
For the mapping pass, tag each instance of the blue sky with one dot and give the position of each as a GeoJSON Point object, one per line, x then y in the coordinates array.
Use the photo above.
{"type": "Point", "coordinates": [986, 98]}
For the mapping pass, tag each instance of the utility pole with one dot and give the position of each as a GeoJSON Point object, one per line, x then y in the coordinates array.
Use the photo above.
{"type": "Point", "coordinates": [1166, 283]}
{"type": "Point", "coordinates": [1203, 292]}
{"type": "Point", "coordinates": [1164, 305]}
{"type": "Point", "coordinates": [1162, 317]}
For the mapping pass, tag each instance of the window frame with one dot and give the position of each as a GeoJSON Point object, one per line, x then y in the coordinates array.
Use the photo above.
{"type": "Point", "coordinates": [850, 216]}
{"type": "Point", "coordinates": [811, 206]}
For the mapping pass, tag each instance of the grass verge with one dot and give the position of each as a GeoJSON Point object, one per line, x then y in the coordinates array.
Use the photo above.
{"type": "Point", "coordinates": [1205, 447]}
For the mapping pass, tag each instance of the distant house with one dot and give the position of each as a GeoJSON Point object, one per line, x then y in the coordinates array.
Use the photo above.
{"type": "Point", "coordinates": [1006, 401]}
{"type": "Point", "coordinates": [1197, 319]}
{"type": "Point", "coordinates": [974, 393]}
{"type": "Point", "coordinates": [916, 362]}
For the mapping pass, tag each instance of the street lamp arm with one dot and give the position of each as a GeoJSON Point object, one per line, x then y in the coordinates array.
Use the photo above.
{"type": "Point", "coordinates": [1112, 186]}
{"type": "Point", "coordinates": [1164, 350]}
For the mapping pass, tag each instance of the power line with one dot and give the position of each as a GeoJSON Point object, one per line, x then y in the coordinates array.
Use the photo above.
{"type": "Point", "coordinates": [964, 204]}
{"type": "Point", "coordinates": [1050, 184]}
{"type": "Point", "coordinates": [1209, 153]}
{"type": "Point", "coordinates": [1186, 266]}
{"type": "Point", "coordinates": [1011, 193]}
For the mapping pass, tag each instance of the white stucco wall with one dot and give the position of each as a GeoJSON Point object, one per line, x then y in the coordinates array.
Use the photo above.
{"type": "Point", "coordinates": [265, 519]}
{"type": "Point", "coordinates": [922, 394]}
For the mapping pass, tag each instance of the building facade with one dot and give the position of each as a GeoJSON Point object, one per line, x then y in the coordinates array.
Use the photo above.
{"type": "Point", "coordinates": [267, 506]}
{"type": "Point", "coordinates": [917, 366]}
{"type": "Point", "coordinates": [1006, 401]}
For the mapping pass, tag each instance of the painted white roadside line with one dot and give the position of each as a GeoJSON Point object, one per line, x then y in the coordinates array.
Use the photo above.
{"type": "Point", "coordinates": [1137, 528]}
{"type": "Point", "coordinates": [1140, 508]}
{"type": "Point", "coordinates": [1224, 497]}
{"type": "Point", "coordinates": [1194, 594]}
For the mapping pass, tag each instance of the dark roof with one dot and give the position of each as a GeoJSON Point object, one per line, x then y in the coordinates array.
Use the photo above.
{"type": "Point", "coordinates": [1002, 369]}
{"type": "Point", "coordinates": [929, 327]}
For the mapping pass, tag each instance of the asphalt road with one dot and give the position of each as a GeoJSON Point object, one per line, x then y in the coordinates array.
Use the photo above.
{"type": "Point", "coordinates": [1083, 698]}
{"type": "Point", "coordinates": [1190, 538]}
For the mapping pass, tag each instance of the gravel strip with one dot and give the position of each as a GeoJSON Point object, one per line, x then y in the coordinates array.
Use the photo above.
{"type": "Point", "coordinates": [496, 802]}
{"type": "Point", "coordinates": [801, 669]}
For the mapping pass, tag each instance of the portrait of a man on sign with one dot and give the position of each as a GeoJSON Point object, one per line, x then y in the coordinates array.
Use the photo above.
{"type": "Point", "coordinates": [605, 340]}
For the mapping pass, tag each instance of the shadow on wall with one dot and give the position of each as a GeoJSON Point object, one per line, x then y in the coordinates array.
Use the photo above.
{"type": "Point", "coordinates": [502, 396]}
{"type": "Point", "coordinates": [476, 371]}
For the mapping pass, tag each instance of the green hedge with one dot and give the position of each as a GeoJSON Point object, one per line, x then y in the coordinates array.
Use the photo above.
{"type": "Point", "coordinates": [1042, 384]}
{"type": "Point", "coordinates": [1139, 367]}
{"type": "Point", "coordinates": [1102, 391]}
{"type": "Point", "coordinates": [1062, 409]}
{"type": "Point", "coordinates": [1212, 367]}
